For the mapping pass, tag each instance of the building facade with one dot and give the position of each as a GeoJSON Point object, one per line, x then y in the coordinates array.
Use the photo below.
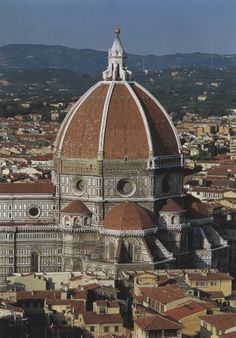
{"type": "Point", "coordinates": [116, 199]}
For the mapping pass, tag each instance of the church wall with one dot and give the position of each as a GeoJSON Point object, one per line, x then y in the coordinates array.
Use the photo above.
{"type": "Point", "coordinates": [19, 208]}
{"type": "Point", "coordinates": [6, 254]}
{"type": "Point", "coordinates": [75, 246]}
{"type": "Point", "coordinates": [16, 250]}
{"type": "Point", "coordinates": [35, 233]}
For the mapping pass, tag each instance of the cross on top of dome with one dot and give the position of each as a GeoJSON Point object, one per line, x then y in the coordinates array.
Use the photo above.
{"type": "Point", "coordinates": [116, 70]}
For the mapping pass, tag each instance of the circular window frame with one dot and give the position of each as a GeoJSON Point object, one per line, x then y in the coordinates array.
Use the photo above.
{"type": "Point", "coordinates": [34, 207]}
{"type": "Point", "coordinates": [75, 182]}
{"type": "Point", "coordinates": [131, 182]}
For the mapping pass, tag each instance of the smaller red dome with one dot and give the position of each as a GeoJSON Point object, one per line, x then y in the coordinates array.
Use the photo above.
{"type": "Point", "coordinates": [76, 207]}
{"type": "Point", "coordinates": [171, 206]}
{"type": "Point", "coordinates": [127, 216]}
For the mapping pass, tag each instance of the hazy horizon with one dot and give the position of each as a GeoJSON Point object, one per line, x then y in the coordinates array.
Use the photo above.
{"type": "Point", "coordinates": [157, 27]}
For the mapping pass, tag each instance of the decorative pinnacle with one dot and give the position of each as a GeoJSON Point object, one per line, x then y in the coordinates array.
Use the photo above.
{"type": "Point", "coordinates": [117, 30]}
{"type": "Point", "coordinates": [116, 70]}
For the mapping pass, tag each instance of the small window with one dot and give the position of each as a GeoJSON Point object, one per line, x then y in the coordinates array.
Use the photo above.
{"type": "Point", "coordinates": [116, 328]}
{"type": "Point", "coordinates": [91, 328]}
{"type": "Point", "coordinates": [106, 329]}
{"type": "Point", "coordinates": [102, 310]}
{"type": "Point", "coordinates": [34, 211]}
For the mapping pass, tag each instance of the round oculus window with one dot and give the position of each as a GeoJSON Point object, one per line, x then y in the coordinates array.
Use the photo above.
{"type": "Point", "coordinates": [34, 211]}
{"type": "Point", "coordinates": [166, 184]}
{"type": "Point", "coordinates": [125, 187]}
{"type": "Point", "coordinates": [80, 185]}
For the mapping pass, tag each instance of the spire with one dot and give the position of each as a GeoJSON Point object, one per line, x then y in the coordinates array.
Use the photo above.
{"type": "Point", "coordinates": [116, 70]}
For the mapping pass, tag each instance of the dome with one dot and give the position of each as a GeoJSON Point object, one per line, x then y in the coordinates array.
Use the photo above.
{"type": "Point", "coordinates": [76, 207]}
{"type": "Point", "coordinates": [171, 206]}
{"type": "Point", "coordinates": [127, 216]}
{"type": "Point", "coordinates": [117, 119]}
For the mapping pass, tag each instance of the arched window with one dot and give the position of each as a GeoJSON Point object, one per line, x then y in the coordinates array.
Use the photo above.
{"type": "Point", "coordinates": [130, 251]}
{"type": "Point", "coordinates": [67, 220]}
{"type": "Point", "coordinates": [174, 219]}
{"type": "Point", "coordinates": [86, 221]}
{"type": "Point", "coordinates": [78, 264]}
{"type": "Point", "coordinates": [163, 220]}
{"type": "Point", "coordinates": [76, 221]}
{"type": "Point", "coordinates": [118, 71]}
{"type": "Point", "coordinates": [111, 250]}
{"type": "Point", "coordinates": [35, 266]}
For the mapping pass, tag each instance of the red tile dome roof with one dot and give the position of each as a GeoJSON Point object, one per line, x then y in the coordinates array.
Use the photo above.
{"type": "Point", "coordinates": [171, 206]}
{"type": "Point", "coordinates": [127, 216]}
{"type": "Point", "coordinates": [117, 119]}
{"type": "Point", "coordinates": [76, 207]}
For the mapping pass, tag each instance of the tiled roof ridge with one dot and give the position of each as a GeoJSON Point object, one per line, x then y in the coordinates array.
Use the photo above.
{"type": "Point", "coordinates": [76, 206]}
{"type": "Point", "coordinates": [127, 216]}
{"type": "Point", "coordinates": [24, 188]}
{"type": "Point", "coordinates": [171, 205]}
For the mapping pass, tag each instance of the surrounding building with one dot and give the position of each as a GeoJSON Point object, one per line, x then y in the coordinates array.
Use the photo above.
{"type": "Point", "coordinates": [157, 326]}
{"type": "Point", "coordinates": [212, 282]}
{"type": "Point", "coordinates": [217, 326]}
{"type": "Point", "coordinates": [116, 199]}
{"type": "Point", "coordinates": [157, 303]}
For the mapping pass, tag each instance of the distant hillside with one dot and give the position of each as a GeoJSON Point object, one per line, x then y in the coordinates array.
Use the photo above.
{"type": "Point", "coordinates": [88, 61]}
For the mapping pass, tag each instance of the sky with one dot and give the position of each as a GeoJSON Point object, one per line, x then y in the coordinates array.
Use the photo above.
{"type": "Point", "coordinates": [147, 26]}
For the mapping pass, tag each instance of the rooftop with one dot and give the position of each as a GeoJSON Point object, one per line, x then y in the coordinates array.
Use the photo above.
{"type": "Point", "coordinates": [157, 322]}
{"type": "Point", "coordinates": [223, 322]}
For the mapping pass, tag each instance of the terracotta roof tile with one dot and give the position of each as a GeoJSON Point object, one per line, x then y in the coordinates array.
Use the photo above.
{"type": "Point", "coordinates": [163, 137]}
{"type": "Point", "coordinates": [164, 294]}
{"type": "Point", "coordinates": [157, 322]}
{"type": "Point", "coordinates": [222, 322]}
{"type": "Point", "coordinates": [76, 207]}
{"type": "Point", "coordinates": [171, 206]}
{"type": "Point", "coordinates": [27, 188]}
{"type": "Point", "coordinates": [78, 307]}
{"type": "Point", "coordinates": [80, 294]}
{"type": "Point", "coordinates": [185, 310]}
{"type": "Point", "coordinates": [92, 286]}
{"type": "Point", "coordinates": [127, 216]}
{"type": "Point", "coordinates": [94, 318]}
{"type": "Point", "coordinates": [46, 157]}
{"type": "Point", "coordinates": [23, 295]}
{"type": "Point", "coordinates": [209, 276]}
{"type": "Point", "coordinates": [125, 132]}
{"type": "Point", "coordinates": [195, 208]}
{"type": "Point", "coordinates": [229, 335]}
{"type": "Point", "coordinates": [82, 136]}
